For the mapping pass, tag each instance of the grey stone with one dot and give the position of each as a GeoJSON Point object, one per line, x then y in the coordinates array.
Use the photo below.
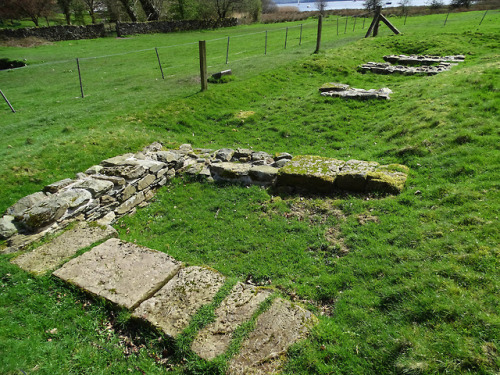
{"type": "Point", "coordinates": [121, 272]}
{"type": "Point", "coordinates": [117, 181]}
{"type": "Point", "coordinates": [74, 198]}
{"type": "Point", "coordinates": [282, 325]}
{"type": "Point", "coordinates": [56, 186]}
{"type": "Point", "coordinates": [107, 200]}
{"type": "Point", "coordinates": [162, 182]}
{"type": "Point", "coordinates": [168, 156]}
{"type": "Point", "coordinates": [117, 160]}
{"type": "Point", "coordinates": [312, 173]}
{"type": "Point", "coordinates": [260, 155]}
{"type": "Point", "coordinates": [94, 169]}
{"type": "Point", "coordinates": [230, 171]}
{"type": "Point", "coordinates": [333, 86]}
{"type": "Point", "coordinates": [81, 176]}
{"type": "Point", "coordinates": [129, 172]}
{"type": "Point", "coordinates": [173, 306]}
{"type": "Point", "coordinates": [52, 254]}
{"type": "Point", "coordinates": [43, 213]}
{"type": "Point", "coordinates": [194, 169]}
{"type": "Point", "coordinates": [353, 175]}
{"type": "Point", "coordinates": [280, 163]}
{"type": "Point", "coordinates": [263, 173]}
{"type": "Point", "coordinates": [161, 172]}
{"type": "Point", "coordinates": [224, 154]}
{"type": "Point", "coordinates": [186, 148]}
{"type": "Point", "coordinates": [128, 192]}
{"type": "Point", "coordinates": [153, 147]}
{"type": "Point", "coordinates": [237, 308]}
{"type": "Point", "coordinates": [7, 227]}
{"type": "Point", "coordinates": [96, 187]}
{"type": "Point", "coordinates": [130, 203]}
{"type": "Point", "coordinates": [151, 165]}
{"type": "Point", "coordinates": [243, 153]}
{"type": "Point", "coordinates": [146, 181]}
{"type": "Point", "coordinates": [283, 155]}
{"type": "Point", "coordinates": [26, 202]}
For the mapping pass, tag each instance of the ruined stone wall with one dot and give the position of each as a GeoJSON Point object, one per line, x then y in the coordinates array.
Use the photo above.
{"type": "Point", "coordinates": [56, 33]}
{"type": "Point", "coordinates": [171, 26]}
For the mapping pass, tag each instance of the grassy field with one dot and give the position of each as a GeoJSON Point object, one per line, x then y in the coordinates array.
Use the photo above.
{"type": "Point", "coordinates": [404, 285]}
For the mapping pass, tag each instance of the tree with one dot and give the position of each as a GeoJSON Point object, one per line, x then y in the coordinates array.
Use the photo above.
{"type": "Point", "coordinates": [129, 9]}
{"type": "Point", "coordinates": [91, 8]}
{"type": "Point", "coordinates": [461, 3]}
{"type": "Point", "coordinates": [372, 4]}
{"type": "Point", "coordinates": [269, 6]}
{"type": "Point", "coordinates": [152, 12]}
{"type": "Point", "coordinates": [34, 9]}
{"type": "Point", "coordinates": [321, 5]}
{"type": "Point", "coordinates": [404, 4]}
{"type": "Point", "coordinates": [65, 6]}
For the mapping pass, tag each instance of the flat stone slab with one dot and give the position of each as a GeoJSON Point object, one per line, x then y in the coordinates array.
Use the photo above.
{"type": "Point", "coordinates": [282, 325]}
{"type": "Point", "coordinates": [52, 254]}
{"type": "Point", "coordinates": [122, 272]}
{"type": "Point", "coordinates": [387, 68]}
{"type": "Point", "coordinates": [173, 306]}
{"type": "Point", "coordinates": [323, 175]}
{"type": "Point", "coordinates": [237, 308]}
{"type": "Point", "coordinates": [422, 59]}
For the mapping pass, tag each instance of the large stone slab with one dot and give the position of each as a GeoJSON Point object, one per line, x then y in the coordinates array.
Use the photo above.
{"type": "Point", "coordinates": [282, 325]}
{"type": "Point", "coordinates": [52, 254]}
{"type": "Point", "coordinates": [173, 306]}
{"type": "Point", "coordinates": [237, 308]}
{"type": "Point", "coordinates": [312, 173]}
{"type": "Point", "coordinates": [121, 272]}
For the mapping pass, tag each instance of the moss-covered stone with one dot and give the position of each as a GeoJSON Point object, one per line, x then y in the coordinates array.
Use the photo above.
{"type": "Point", "coordinates": [387, 179]}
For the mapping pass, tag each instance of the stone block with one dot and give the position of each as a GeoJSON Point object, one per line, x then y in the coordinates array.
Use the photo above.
{"type": "Point", "coordinates": [333, 86]}
{"type": "Point", "coordinates": [173, 306]}
{"type": "Point", "coordinates": [282, 325]}
{"type": "Point", "coordinates": [237, 308]}
{"type": "Point", "coordinates": [96, 187]}
{"type": "Point", "coordinates": [263, 174]}
{"type": "Point", "coordinates": [128, 192]}
{"type": "Point", "coordinates": [56, 186]}
{"type": "Point", "coordinates": [43, 213]}
{"type": "Point", "coordinates": [312, 173]}
{"type": "Point", "coordinates": [389, 179]}
{"type": "Point", "coordinates": [231, 171]}
{"type": "Point", "coordinates": [117, 160]}
{"type": "Point", "coordinates": [145, 182]}
{"type": "Point", "coordinates": [121, 272]}
{"type": "Point", "coordinates": [352, 177]}
{"type": "Point", "coordinates": [130, 203]}
{"type": "Point", "coordinates": [25, 203]}
{"type": "Point", "coordinates": [224, 154]}
{"type": "Point", "coordinates": [117, 181]}
{"type": "Point", "coordinates": [7, 227]}
{"type": "Point", "coordinates": [52, 254]}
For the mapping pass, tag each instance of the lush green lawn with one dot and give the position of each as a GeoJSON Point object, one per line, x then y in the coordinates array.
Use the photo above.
{"type": "Point", "coordinates": [405, 284]}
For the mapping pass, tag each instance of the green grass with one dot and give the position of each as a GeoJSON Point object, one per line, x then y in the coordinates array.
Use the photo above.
{"type": "Point", "coordinates": [406, 284]}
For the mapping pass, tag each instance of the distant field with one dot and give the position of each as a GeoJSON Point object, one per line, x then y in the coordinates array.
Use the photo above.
{"type": "Point", "coordinates": [402, 285]}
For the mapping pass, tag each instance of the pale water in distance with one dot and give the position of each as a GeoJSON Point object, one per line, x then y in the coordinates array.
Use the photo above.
{"type": "Point", "coordinates": [353, 4]}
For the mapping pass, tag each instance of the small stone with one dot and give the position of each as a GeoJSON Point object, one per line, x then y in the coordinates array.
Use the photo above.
{"type": "Point", "coordinates": [130, 203]}
{"type": "Point", "coordinates": [418, 192]}
{"type": "Point", "coordinates": [260, 155]}
{"type": "Point", "coordinates": [94, 169]}
{"type": "Point", "coordinates": [145, 182]}
{"type": "Point", "coordinates": [117, 181]}
{"type": "Point", "coordinates": [56, 186]}
{"type": "Point", "coordinates": [107, 219]}
{"type": "Point", "coordinates": [224, 154]}
{"type": "Point", "coordinates": [263, 174]}
{"type": "Point", "coordinates": [117, 160]}
{"type": "Point", "coordinates": [128, 192]}
{"type": "Point", "coordinates": [7, 227]}
{"type": "Point", "coordinates": [25, 203]}
{"type": "Point", "coordinates": [96, 187]}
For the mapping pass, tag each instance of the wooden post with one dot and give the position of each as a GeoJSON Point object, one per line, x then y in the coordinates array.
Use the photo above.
{"type": "Point", "coordinates": [300, 38]}
{"type": "Point", "coordinates": [406, 15]}
{"type": "Point", "coordinates": [318, 39]}
{"type": "Point", "coordinates": [337, 26]}
{"type": "Point", "coordinates": [203, 65]}
{"type": "Point", "coordinates": [345, 29]}
{"type": "Point", "coordinates": [7, 101]}
{"type": "Point", "coordinates": [354, 27]}
{"type": "Point", "coordinates": [364, 18]}
{"type": "Point", "coordinates": [446, 19]}
{"type": "Point", "coordinates": [286, 36]}
{"type": "Point", "coordinates": [389, 25]}
{"type": "Point", "coordinates": [79, 76]}
{"type": "Point", "coordinates": [227, 51]}
{"type": "Point", "coordinates": [159, 63]}
{"type": "Point", "coordinates": [265, 46]}
{"type": "Point", "coordinates": [484, 15]}
{"type": "Point", "coordinates": [375, 27]}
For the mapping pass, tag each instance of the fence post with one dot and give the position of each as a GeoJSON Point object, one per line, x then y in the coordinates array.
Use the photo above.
{"type": "Point", "coordinates": [265, 47]}
{"type": "Point", "coordinates": [227, 51]}
{"type": "Point", "coordinates": [364, 18]}
{"type": "Point", "coordinates": [318, 39]}
{"type": "Point", "coordinates": [300, 38]}
{"type": "Point", "coordinates": [159, 63]}
{"type": "Point", "coordinates": [354, 27]}
{"type": "Point", "coordinates": [446, 19]}
{"type": "Point", "coordinates": [203, 64]}
{"type": "Point", "coordinates": [79, 76]}
{"type": "Point", "coordinates": [345, 30]}
{"type": "Point", "coordinates": [337, 26]}
{"type": "Point", "coordinates": [7, 101]}
{"type": "Point", "coordinates": [406, 15]}
{"type": "Point", "coordinates": [286, 36]}
{"type": "Point", "coordinates": [484, 15]}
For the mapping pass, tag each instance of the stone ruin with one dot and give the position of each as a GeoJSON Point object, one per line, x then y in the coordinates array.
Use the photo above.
{"type": "Point", "coordinates": [121, 184]}
{"type": "Point", "coordinates": [152, 285]}
{"type": "Point", "coordinates": [341, 90]}
{"type": "Point", "coordinates": [414, 64]}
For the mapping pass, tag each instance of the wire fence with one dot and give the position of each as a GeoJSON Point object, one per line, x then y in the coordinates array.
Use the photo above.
{"type": "Point", "coordinates": [168, 66]}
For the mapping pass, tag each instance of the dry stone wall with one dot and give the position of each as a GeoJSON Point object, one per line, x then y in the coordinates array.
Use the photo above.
{"type": "Point", "coordinates": [171, 26]}
{"type": "Point", "coordinates": [414, 64]}
{"type": "Point", "coordinates": [56, 33]}
{"type": "Point", "coordinates": [118, 185]}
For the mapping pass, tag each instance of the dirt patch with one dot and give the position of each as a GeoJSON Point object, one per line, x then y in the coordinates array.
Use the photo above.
{"type": "Point", "coordinates": [316, 211]}
{"type": "Point", "coordinates": [367, 218]}
{"type": "Point", "coordinates": [24, 42]}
